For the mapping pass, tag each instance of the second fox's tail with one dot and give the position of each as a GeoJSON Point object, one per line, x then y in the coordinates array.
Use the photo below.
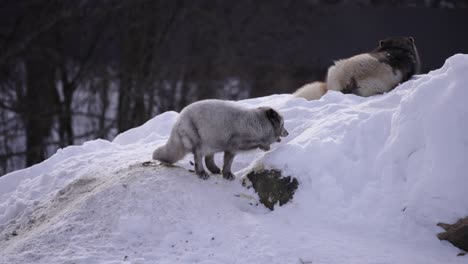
{"type": "Point", "coordinates": [312, 91]}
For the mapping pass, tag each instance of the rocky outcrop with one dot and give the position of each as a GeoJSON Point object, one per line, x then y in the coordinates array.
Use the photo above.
{"type": "Point", "coordinates": [457, 233]}
{"type": "Point", "coordinates": [272, 187]}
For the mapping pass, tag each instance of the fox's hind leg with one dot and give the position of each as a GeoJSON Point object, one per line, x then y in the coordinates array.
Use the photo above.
{"type": "Point", "coordinates": [211, 165]}
{"type": "Point", "coordinates": [199, 170]}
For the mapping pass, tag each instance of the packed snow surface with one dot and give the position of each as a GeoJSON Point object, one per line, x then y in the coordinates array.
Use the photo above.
{"type": "Point", "coordinates": [376, 175]}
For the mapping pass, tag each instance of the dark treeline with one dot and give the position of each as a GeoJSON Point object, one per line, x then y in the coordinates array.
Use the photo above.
{"type": "Point", "coordinates": [71, 71]}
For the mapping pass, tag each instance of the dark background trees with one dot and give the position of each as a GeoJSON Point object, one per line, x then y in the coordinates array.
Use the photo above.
{"type": "Point", "coordinates": [72, 71]}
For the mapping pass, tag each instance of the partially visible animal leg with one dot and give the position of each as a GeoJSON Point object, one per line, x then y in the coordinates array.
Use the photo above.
{"type": "Point", "coordinates": [199, 170]}
{"type": "Point", "coordinates": [228, 158]}
{"type": "Point", "coordinates": [211, 165]}
{"type": "Point", "coordinates": [264, 147]}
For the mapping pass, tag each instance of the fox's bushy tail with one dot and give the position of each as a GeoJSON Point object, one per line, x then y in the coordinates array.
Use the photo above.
{"type": "Point", "coordinates": [172, 151]}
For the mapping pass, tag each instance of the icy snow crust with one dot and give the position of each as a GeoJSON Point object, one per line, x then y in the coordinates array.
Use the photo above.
{"type": "Point", "coordinates": [376, 175]}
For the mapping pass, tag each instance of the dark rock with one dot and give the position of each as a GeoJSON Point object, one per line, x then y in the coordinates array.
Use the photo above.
{"type": "Point", "coordinates": [272, 187]}
{"type": "Point", "coordinates": [147, 163]}
{"type": "Point", "coordinates": [457, 233]}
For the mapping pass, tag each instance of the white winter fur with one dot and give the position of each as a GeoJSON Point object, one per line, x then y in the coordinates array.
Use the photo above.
{"type": "Point", "coordinates": [371, 75]}
{"type": "Point", "coordinates": [211, 126]}
{"type": "Point", "coordinates": [312, 91]}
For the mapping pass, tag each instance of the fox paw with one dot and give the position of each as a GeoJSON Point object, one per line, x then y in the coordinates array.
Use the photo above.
{"type": "Point", "coordinates": [203, 175]}
{"type": "Point", "coordinates": [228, 176]}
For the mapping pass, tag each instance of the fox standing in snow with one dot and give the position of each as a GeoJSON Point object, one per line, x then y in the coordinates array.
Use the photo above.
{"type": "Point", "coordinates": [393, 62]}
{"type": "Point", "coordinates": [211, 126]}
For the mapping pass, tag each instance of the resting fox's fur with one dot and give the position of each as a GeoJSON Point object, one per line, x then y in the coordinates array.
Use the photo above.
{"type": "Point", "coordinates": [393, 62]}
{"type": "Point", "coordinates": [210, 126]}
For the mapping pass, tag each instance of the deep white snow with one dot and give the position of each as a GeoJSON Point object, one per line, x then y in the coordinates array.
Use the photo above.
{"type": "Point", "coordinates": [376, 175]}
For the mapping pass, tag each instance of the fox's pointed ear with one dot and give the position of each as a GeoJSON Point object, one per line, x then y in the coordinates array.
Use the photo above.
{"type": "Point", "coordinates": [412, 39]}
{"type": "Point", "coordinates": [381, 43]}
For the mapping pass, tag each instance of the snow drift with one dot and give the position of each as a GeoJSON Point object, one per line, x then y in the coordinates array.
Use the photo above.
{"type": "Point", "coordinates": [376, 175]}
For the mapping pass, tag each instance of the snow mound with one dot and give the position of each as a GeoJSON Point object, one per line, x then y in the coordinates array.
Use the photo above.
{"type": "Point", "coordinates": [402, 151]}
{"type": "Point", "coordinates": [376, 175]}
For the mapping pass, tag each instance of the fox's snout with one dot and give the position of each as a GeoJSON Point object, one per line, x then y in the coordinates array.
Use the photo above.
{"type": "Point", "coordinates": [284, 133]}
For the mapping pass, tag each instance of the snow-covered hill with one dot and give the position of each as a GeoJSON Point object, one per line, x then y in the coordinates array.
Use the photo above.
{"type": "Point", "coordinates": [376, 175]}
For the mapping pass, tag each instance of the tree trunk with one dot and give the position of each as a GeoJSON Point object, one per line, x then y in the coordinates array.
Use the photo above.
{"type": "Point", "coordinates": [38, 106]}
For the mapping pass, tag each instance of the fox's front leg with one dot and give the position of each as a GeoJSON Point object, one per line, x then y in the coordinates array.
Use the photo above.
{"type": "Point", "coordinates": [264, 147]}
{"type": "Point", "coordinates": [228, 158]}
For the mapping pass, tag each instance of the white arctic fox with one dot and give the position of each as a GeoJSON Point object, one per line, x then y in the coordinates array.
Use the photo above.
{"type": "Point", "coordinates": [211, 126]}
